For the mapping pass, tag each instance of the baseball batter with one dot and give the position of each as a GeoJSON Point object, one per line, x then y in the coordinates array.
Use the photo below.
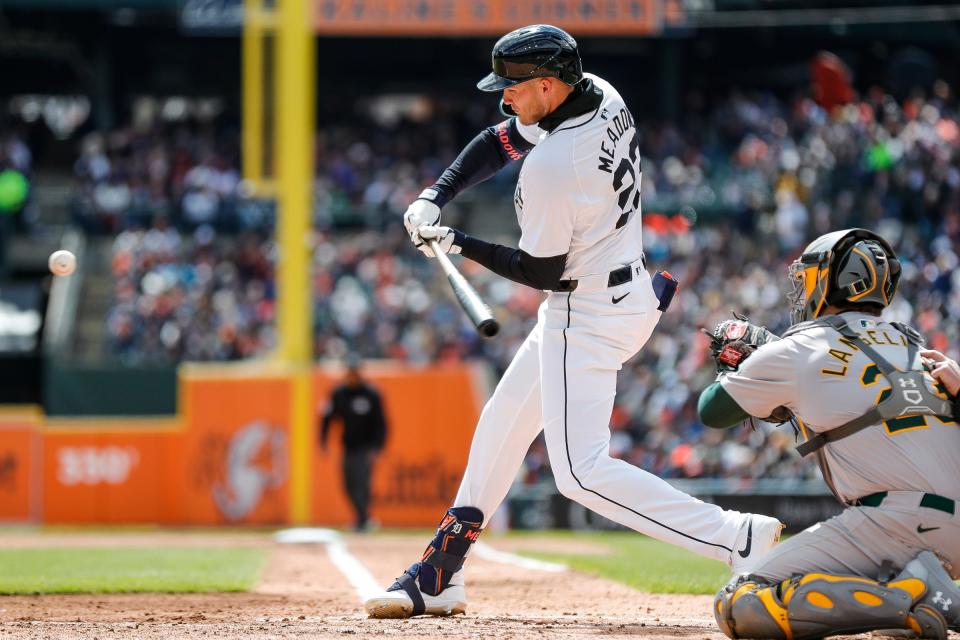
{"type": "Point", "coordinates": [884, 433]}
{"type": "Point", "coordinates": [578, 206]}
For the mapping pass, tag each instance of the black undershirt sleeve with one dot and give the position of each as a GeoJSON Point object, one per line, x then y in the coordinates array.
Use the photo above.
{"type": "Point", "coordinates": [513, 264]}
{"type": "Point", "coordinates": [494, 148]}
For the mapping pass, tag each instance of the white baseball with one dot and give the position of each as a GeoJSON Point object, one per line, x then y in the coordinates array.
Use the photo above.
{"type": "Point", "coordinates": [62, 262]}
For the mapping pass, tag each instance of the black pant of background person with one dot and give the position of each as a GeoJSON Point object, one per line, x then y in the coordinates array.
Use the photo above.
{"type": "Point", "coordinates": [357, 472]}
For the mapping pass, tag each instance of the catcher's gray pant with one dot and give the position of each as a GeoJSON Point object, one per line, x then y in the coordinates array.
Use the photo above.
{"type": "Point", "coordinates": [858, 540]}
{"type": "Point", "coordinates": [563, 380]}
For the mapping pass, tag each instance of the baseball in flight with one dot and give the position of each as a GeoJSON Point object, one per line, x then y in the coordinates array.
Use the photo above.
{"type": "Point", "coordinates": [62, 262]}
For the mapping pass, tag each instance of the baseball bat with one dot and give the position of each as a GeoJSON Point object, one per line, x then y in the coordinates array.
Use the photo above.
{"type": "Point", "coordinates": [479, 313]}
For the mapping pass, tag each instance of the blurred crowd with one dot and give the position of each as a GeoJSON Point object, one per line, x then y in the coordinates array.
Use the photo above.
{"type": "Point", "coordinates": [187, 173]}
{"type": "Point", "coordinates": [865, 163]}
{"type": "Point", "coordinates": [14, 151]}
{"type": "Point", "coordinates": [16, 166]}
{"type": "Point", "coordinates": [732, 192]}
{"type": "Point", "coordinates": [190, 297]}
{"type": "Point", "coordinates": [368, 167]}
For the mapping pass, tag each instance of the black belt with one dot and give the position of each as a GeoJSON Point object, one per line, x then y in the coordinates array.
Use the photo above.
{"type": "Point", "coordinates": [617, 277]}
{"type": "Point", "coordinates": [929, 500]}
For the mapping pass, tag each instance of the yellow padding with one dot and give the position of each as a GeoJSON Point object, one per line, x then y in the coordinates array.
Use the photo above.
{"type": "Point", "coordinates": [719, 607]}
{"type": "Point", "coordinates": [914, 625]}
{"type": "Point", "coordinates": [746, 587]}
{"type": "Point", "coordinates": [914, 586]}
{"type": "Point", "coordinates": [810, 577]}
{"type": "Point", "coordinates": [819, 600]}
{"type": "Point", "coordinates": [776, 611]}
{"type": "Point", "coordinates": [787, 587]}
{"type": "Point", "coordinates": [867, 598]}
{"type": "Point", "coordinates": [823, 275]}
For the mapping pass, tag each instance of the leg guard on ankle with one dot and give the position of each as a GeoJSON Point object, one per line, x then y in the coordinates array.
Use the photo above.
{"type": "Point", "coordinates": [817, 605]}
{"type": "Point", "coordinates": [408, 582]}
{"type": "Point", "coordinates": [459, 529]}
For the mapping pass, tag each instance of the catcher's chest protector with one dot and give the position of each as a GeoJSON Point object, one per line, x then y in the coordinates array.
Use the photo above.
{"type": "Point", "coordinates": [909, 396]}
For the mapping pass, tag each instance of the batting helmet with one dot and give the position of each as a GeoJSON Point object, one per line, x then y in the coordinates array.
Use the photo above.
{"type": "Point", "coordinates": [843, 268]}
{"type": "Point", "coordinates": [537, 51]}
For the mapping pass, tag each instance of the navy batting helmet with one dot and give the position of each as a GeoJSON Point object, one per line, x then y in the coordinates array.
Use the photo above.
{"type": "Point", "coordinates": [537, 51]}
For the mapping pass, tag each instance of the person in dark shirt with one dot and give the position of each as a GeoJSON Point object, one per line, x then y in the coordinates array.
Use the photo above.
{"type": "Point", "coordinates": [359, 408]}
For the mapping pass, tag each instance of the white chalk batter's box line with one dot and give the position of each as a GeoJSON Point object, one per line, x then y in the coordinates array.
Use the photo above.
{"type": "Point", "coordinates": [363, 581]}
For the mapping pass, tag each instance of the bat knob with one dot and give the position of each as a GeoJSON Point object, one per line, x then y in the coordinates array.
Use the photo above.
{"type": "Point", "coordinates": [488, 328]}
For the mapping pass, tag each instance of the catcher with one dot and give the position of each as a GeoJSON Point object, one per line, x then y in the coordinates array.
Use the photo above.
{"type": "Point", "coordinates": [883, 431]}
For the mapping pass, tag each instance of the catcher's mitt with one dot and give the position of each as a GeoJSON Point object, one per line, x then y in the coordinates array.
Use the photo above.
{"type": "Point", "coordinates": [734, 340]}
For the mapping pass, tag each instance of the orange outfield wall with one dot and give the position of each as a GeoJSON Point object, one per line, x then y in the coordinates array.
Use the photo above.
{"type": "Point", "coordinates": [19, 464]}
{"type": "Point", "coordinates": [431, 415]}
{"type": "Point", "coordinates": [225, 458]}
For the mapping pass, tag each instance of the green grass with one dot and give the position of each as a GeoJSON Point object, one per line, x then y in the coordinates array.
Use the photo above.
{"type": "Point", "coordinates": [128, 570]}
{"type": "Point", "coordinates": [641, 562]}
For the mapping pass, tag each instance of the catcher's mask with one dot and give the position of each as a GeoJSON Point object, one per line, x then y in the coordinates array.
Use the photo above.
{"type": "Point", "coordinates": [848, 267]}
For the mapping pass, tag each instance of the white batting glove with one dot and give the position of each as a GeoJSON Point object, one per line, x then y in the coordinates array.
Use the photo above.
{"type": "Point", "coordinates": [445, 237]}
{"type": "Point", "coordinates": [419, 213]}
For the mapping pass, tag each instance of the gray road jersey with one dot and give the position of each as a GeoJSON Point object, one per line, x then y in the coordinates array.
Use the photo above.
{"type": "Point", "coordinates": [826, 383]}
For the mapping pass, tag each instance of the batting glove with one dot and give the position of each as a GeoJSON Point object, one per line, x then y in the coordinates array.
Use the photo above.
{"type": "Point", "coordinates": [420, 212]}
{"type": "Point", "coordinates": [445, 237]}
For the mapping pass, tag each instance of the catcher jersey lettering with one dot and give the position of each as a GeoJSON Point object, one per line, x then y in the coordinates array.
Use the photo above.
{"type": "Point", "coordinates": [827, 381]}
{"type": "Point", "coordinates": [578, 192]}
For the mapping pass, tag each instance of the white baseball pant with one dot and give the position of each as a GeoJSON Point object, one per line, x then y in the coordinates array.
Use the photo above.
{"type": "Point", "coordinates": [563, 380]}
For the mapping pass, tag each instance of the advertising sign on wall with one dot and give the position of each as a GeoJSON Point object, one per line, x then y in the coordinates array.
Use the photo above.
{"type": "Point", "coordinates": [19, 450]}
{"type": "Point", "coordinates": [225, 459]}
{"type": "Point", "coordinates": [486, 17]}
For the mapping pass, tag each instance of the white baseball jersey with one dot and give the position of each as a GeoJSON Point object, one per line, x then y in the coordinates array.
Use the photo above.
{"type": "Point", "coordinates": [563, 194]}
{"type": "Point", "coordinates": [578, 195]}
{"type": "Point", "coordinates": [827, 382]}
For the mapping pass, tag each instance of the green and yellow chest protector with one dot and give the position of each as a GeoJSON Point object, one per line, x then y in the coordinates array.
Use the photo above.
{"type": "Point", "coordinates": [910, 395]}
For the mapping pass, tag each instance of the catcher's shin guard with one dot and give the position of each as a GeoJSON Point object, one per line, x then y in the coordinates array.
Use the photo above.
{"type": "Point", "coordinates": [942, 592]}
{"type": "Point", "coordinates": [817, 605]}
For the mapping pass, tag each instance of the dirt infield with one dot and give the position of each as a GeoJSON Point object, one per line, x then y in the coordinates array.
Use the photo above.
{"type": "Point", "coordinates": [302, 595]}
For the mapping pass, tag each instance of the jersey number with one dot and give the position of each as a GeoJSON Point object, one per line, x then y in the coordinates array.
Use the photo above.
{"type": "Point", "coordinates": [628, 195]}
{"type": "Point", "coordinates": [870, 376]}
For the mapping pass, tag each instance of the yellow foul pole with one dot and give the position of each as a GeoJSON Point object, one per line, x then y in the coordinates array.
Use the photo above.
{"type": "Point", "coordinates": [294, 106]}
{"type": "Point", "coordinates": [252, 138]}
